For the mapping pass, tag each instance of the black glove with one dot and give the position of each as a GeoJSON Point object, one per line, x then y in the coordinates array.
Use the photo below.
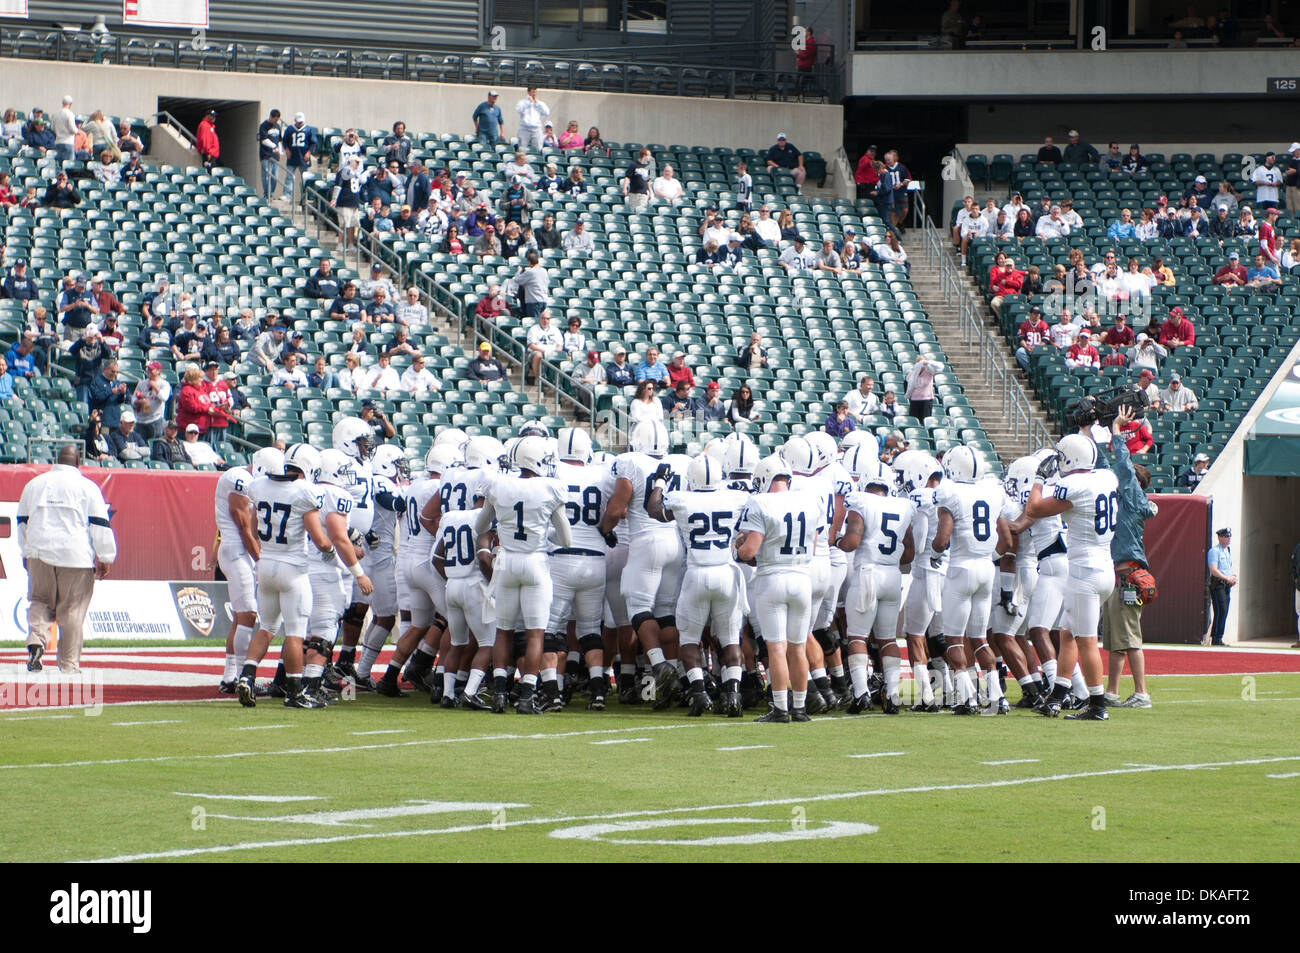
{"type": "Point", "coordinates": [1047, 469]}
{"type": "Point", "coordinates": [611, 539]}
{"type": "Point", "coordinates": [355, 537]}
{"type": "Point", "coordinates": [662, 472]}
{"type": "Point", "coordinates": [936, 560]}
{"type": "Point", "coordinates": [372, 539]}
{"type": "Point", "coordinates": [1007, 603]}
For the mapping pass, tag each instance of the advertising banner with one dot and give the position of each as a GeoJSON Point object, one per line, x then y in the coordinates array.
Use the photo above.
{"type": "Point", "coordinates": [185, 14]}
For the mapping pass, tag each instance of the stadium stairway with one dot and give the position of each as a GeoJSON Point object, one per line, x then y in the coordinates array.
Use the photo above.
{"type": "Point", "coordinates": [964, 357]}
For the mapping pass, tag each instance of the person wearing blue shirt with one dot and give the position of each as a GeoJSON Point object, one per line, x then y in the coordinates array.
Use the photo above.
{"type": "Point", "coordinates": [1222, 579]}
{"type": "Point", "coordinates": [21, 357]}
{"type": "Point", "coordinates": [651, 370]}
{"type": "Point", "coordinates": [6, 383]}
{"type": "Point", "coordinates": [619, 372]}
{"type": "Point", "coordinates": [1123, 230]}
{"type": "Point", "coordinates": [1263, 276]}
{"type": "Point", "coordinates": [299, 145]}
{"type": "Point", "coordinates": [489, 125]}
{"type": "Point", "coordinates": [269, 135]}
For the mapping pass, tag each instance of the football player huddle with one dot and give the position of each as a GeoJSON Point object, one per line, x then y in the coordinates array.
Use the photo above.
{"type": "Point", "coordinates": [528, 573]}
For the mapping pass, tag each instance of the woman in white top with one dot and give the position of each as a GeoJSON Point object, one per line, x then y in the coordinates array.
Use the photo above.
{"type": "Point", "coordinates": [1291, 255]}
{"type": "Point", "coordinates": [1136, 282]}
{"type": "Point", "coordinates": [667, 188]}
{"type": "Point", "coordinates": [644, 406]}
{"type": "Point", "coordinates": [1246, 224]}
{"type": "Point", "coordinates": [1147, 230]}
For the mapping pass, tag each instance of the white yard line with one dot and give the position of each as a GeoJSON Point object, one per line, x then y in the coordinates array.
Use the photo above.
{"type": "Point", "coordinates": [384, 731]}
{"type": "Point", "coordinates": [131, 724]}
{"type": "Point", "coordinates": [262, 727]}
{"type": "Point", "coordinates": [878, 754]}
{"type": "Point", "coordinates": [1012, 761]}
{"type": "Point", "coordinates": [618, 741]}
{"type": "Point", "coordinates": [743, 748]}
{"type": "Point", "coordinates": [773, 802]}
{"type": "Point", "coordinates": [36, 717]}
{"type": "Point", "coordinates": [1282, 777]}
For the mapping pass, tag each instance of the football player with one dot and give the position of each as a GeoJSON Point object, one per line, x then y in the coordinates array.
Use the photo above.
{"type": "Point", "coordinates": [1045, 537]}
{"type": "Point", "coordinates": [972, 521]}
{"type": "Point", "coordinates": [616, 626]}
{"type": "Point", "coordinates": [652, 576]}
{"type": "Point", "coordinates": [835, 685]}
{"type": "Point", "coordinates": [741, 458]}
{"type": "Point", "coordinates": [578, 571]}
{"type": "Point", "coordinates": [878, 532]}
{"type": "Point", "coordinates": [523, 507]}
{"type": "Point", "coordinates": [713, 589]}
{"type": "Point", "coordinates": [287, 515]}
{"type": "Point", "coordinates": [464, 559]}
{"type": "Point", "coordinates": [921, 475]}
{"type": "Point", "coordinates": [778, 530]}
{"type": "Point", "coordinates": [355, 438]}
{"type": "Point", "coordinates": [388, 475]}
{"type": "Point", "coordinates": [1085, 497]}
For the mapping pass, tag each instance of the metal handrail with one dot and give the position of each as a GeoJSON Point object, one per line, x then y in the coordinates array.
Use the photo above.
{"type": "Point", "coordinates": [997, 375]}
{"type": "Point", "coordinates": [175, 124]}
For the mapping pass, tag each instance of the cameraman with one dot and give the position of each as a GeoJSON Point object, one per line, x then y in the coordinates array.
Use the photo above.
{"type": "Point", "coordinates": [1122, 629]}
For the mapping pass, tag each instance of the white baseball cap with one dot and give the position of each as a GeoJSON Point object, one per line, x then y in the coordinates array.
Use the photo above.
{"type": "Point", "coordinates": [1294, 147]}
{"type": "Point", "coordinates": [127, 417]}
{"type": "Point", "coordinates": [297, 117]}
{"type": "Point", "coordinates": [192, 428]}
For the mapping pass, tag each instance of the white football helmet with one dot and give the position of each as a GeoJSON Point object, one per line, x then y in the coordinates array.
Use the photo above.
{"type": "Point", "coordinates": [440, 458]}
{"type": "Point", "coordinates": [768, 469]}
{"type": "Point", "coordinates": [267, 462]}
{"type": "Point", "coordinates": [530, 453]}
{"type": "Point", "coordinates": [854, 438]}
{"type": "Point", "coordinates": [717, 449]}
{"type": "Point", "coordinates": [304, 458]}
{"type": "Point", "coordinates": [918, 469]}
{"type": "Point", "coordinates": [824, 444]}
{"type": "Point", "coordinates": [389, 461]}
{"type": "Point", "coordinates": [1019, 478]}
{"type": "Point", "coordinates": [483, 452]}
{"type": "Point", "coordinates": [799, 455]}
{"type": "Point", "coordinates": [354, 437]}
{"type": "Point", "coordinates": [861, 462]}
{"type": "Point", "coordinates": [704, 473]}
{"type": "Point", "coordinates": [603, 458]}
{"type": "Point", "coordinates": [534, 428]}
{"type": "Point", "coordinates": [742, 456]}
{"type": "Point", "coordinates": [451, 435]}
{"type": "Point", "coordinates": [876, 472]}
{"type": "Point", "coordinates": [649, 437]}
{"type": "Point", "coordinates": [573, 444]}
{"type": "Point", "coordinates": [1077, 452]}
{"type": "Point", "coordinates": [336, 468]}
{"type": "Point", "coordinates": [963, 465]}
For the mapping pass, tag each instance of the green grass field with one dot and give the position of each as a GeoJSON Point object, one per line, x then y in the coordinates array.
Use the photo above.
{"type": "Point", "coordinates": [385, 780]}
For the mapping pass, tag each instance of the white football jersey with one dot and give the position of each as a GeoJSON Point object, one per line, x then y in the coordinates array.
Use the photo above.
{"type": "Point", "coordinates": [234, 480]}
{"type": "Point", "coordinates": [383, 522]}
{"type": "Point", "coordinates": [587, 493]}
{"type": "Point", "coordinates": [417, 542]}
{"type": "Point", "coordinates": [331, 499]}
{"type": "Point", "coordinates": [456, 533]}
{"type": "Point", "coordinates": [363, 512]}
{"type": "Point", "coordinates": [278, 509]}
{"type": "Point", "coordinates": [925, 523]}
{"type": "Point", "coordinates": [707, 520]}
{"type": "Point", "coordinates": [819, 484]}
{"type": "Point", "coordinates": [841, 483]}
{"type": "Point", "coordinates": [975, 508]}
{"type": "Point", "coordinates": [886, 520]}
{"type": "Point", "coordinates": [789, 522]}
{"type": "Point", "coordinates": [1041, 534]}
{"type": "Point", "coordinates": [1090, 521]}
{"type": "Point", "coordinates": [458, 487]}
{"type": "Point", "coordinates": [639, 469]}
{"type": "Point", "coordinates": [523, 511]}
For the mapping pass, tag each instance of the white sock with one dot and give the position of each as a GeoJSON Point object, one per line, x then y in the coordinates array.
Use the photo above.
{"type": "Point", "coordinates": [372, 644]}
{"type": "Point", "coordinates": [547, 675]}
{"type": "Point", "coordinates": [695, 674]}
{"type": "Point", "coordinates": [890, 664]}
{"type": "Point", "coordinates": [449, 684]}
{"type": "Point", "coordinates": [858, 674]}
{"type": "Point", "coordinates": [816, 674]}
{"type": "Point", "coordinates": [475, 680]}
{"type": "Point", "coordinates": [243, 635]}
{"type": "Point", "coordinates": [799, 699]}
{"type": "Point", "coordinates": [595, 672]}
{"type": "Point", "coordinates": [992, 686]}
{"type": "Point", "coordinates": [427, 649]}
{"type": "Point", "coordinates": [731, 673]}
{"type": "Point", "coordinates": [1077, 684]}
{"type": "Point", "coordinates": [1049, 671]}
{"type": "Point", "coordinates": [529, 680]}
{"type": "Point", "coordinates": [921, 683]}
{"type": "Point", "coordinates": [232, 670]}
{"type": "Point", "coordinates": [655, 657]}
{"type": "Point", "coordinates": [313, 671]}
{"type": "Point", "coordinates": [573, 657]}
{"type": "Point", "coordinates": [837, 671]}
{"type": "Point", "coordinates": [966, 693]}
{"type": "Point", "coordinates": [779, 699]}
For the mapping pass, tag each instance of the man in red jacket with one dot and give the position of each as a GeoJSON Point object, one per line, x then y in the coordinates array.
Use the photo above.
{"type": "Point", "coordinates": [1177, 331]}
{"type": "Point", "coordinates": [209, 146]}
{"type": "Point", "coordinates": [1004, 279]}
{"type": "Point", "coordinates": [217, 393]}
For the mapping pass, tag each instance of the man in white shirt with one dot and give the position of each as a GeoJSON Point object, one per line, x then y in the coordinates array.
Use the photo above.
{"type": "Point", "coordinates": [667, 188]}
{"type": "Point", "coordinates": [65, 131]}
{"type": "Point", "coordinates": [199, 452]}
{"type": "Point", "coordinates": [767, 227]}
{"type": "Point", "coordinates": [291, 375]}
{"type": "Point", "coordinates": [798, 258]}
{"type": "Point", "coordinates": [544, 341]}
{"type": "Point", "coordinates": [1052, 225]}
{"type": "Point", "coordinates": [417, 378]}
{"type": "Point", "coordinates": [411, 312]}
{"type": "Point", "coordinates": [1267, 179]}
{"type": "Point", "coordinates": [972, 225]}
{"type": "Point", "coordinates": [382, 376]}
{"type": "Point", "coordinates": [1146, 353]}
{"type": "Point", "coordinates": [351, 377]}
{"type": "Point", "coordinates": [533, 114]}
{"type": "Point", "coordinates": [520, 167]}
{"type": "Point", "coordinates": [1176, 398]}
{"type": "Point", "coordinates": [862, 400]}
{"type": "Point", "coordinates": [715, 229]}
{"type": "Point", "coordinates": [67, 543]}
{"type": "Point", "coordinates": [578, 242]}
{"type": "Point", "coordinates": [150, 401]}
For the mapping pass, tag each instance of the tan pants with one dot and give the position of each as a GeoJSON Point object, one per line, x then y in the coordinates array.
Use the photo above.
{"type": "Point", "coordinates": [1292, 199]}
{"type": "Point", "coordinates": [1122, 631]}
{"type": "Point", "coordinates": [58, 594]}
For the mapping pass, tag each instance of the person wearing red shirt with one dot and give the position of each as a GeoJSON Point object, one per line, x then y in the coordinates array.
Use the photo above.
{"type": "Point", "coordinates": [1119, 334]}
{"type": "Point", "coordinates": [1177, 331]}
{"type": "Point", "coordinates": [867, 174]}
{"type": "Point", "coordinates": [1081, 353]}
{"type": "Point", "coordinates": [806, 58]}
{"type": "Point", "coordinates": [1268, 237]}
{"type": "Point", "coordinates": [220, 402]}
{"type": "Point", "coordinates": [678, 371]}
{"type": "Point", "coordinates": [1033, 334]}
{"type": "Point", "coordinates": [192, 405]}
{"type": "Point", "coordinates": [492, 305]}
{"type": "Point", "coordinates": [1004, 279]}
{"type": "Point", "coordinates": [1233, 273]}
{"type": "Point", "coordinates": [1137, 436]}
{"type": "Point", "coordinates": [206, 140]}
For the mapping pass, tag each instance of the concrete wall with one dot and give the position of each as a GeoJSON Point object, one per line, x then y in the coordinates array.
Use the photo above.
{"type": "Point", "coordinates": [169, 147]}
{"type": "Point", "coordinates": [1070, 74]}
{"type": "Point", "coordinates": [425, 107]}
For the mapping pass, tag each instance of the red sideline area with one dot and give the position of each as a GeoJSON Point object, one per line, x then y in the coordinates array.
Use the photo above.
{"type": "Point", "coordinates": [143, 679]}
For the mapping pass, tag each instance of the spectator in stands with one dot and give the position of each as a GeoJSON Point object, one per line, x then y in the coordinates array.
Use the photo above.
{"type": "Point", "coordinates": [852, 257]}
{"type": "Point", "coordinates": [1267, 179]}
{"type": "Point", "coordinates": [167, 446]}
{"type": "Point", "coordinates": [290, 375]}
{"type": "Point", "coordinates": [517, 201]}
{"type": "Point", "coordinates": [22, 361]}
{"type": "Point", "coordinates": [1146, 228]}
{"type": "Point", "coordinates": [741, 408]}
{"type": "Point", "coordinates": [544, 343]}
{"type": "Point", "coordinates": [351, 378]}
{"type": "Point", "coordinates": [378, 308]}
{"type": "Point", "coordinates": [891, 198]}
{"type": "Point", "coordinates": [1082, 353]}
{"type": "Point", "coordinates": [840, 422]}
{"type": "Point", "coordinates": [644, 405]}
{"type": "Point", "coordinates": [1077, 151]}
{"type": "Point", "coordinates": [323, 283]}
{"type": "Point", "coordinates": [1119, 334]}
{"type": "Point", "coordinates": [1176, 398]}
{"type": "Point", "coordinates": [267, 348]}
{"type": "Point", "coordinates": [1137, 436]}
{"type": "Point", "coordinates": [348, 306]}
{"type": "Point", "coordinates": [1291, 255]}
{"type": "Point", "coordinates": [533, 286]}
{"type": "Point", "coordinates": [1052, 225]}
{"type": "Point", "coordinates": [155, 335]}
{"type": "Point", "coordinates": [575, 341]}
{"type": "Point", "coordinates": [96, 438]}
{"type": "Point", "coordinates": [186, 344]}
{"type": "Point", "coordinates": [133, 171]}
{"type": "Point", "coordinates": [1247, 227]}
{"type": "Point", "coordinates": [578, 242]}
{"type": "Point", "coordinates": [479, 220]}
{"type": "Point", "coordinates": [533, 113]}
{"type": "Point", "coordinates": [753, 355]}
{"type": "Point", "coordinates": [797, 258]}
{"type": "Point", "coordinates": [1122, 230]}
{"type": "Point", "coordinates": [127, 142]}
{"type": "Point", "coordinates": [222, 348]}
{"type": "Point", "coordinates": [106, 393]}
{"type": "Point", "coordinates": [990, 214]}
{"type": "Point", "coordinates": [65, 131]}
{"type": "Point", "coordinates": [767, 228]}
{"type": "Point", "coordinates": [920, 386]}
{"type": "Point", "coordinates": [550, 181]}
{"type": "Point", "coordinates": [867, 174]}
{"type": "Point", "coordinates": [589, 376]}
{"type": "Point", "coordinates": [88, 353]}
{"type": "Point", "coordinates": [1135, 161]}
{"type": "Point", "coordinates": [549, 141]}
{"type": "Point", "coordinates": [1024, 225]}
{"type": "Point", "coordinates": [710, 406]}
{"type": "Point", "coordinates": [206, 141]}
{"type": "Point", "coordinates": [785, 222]}
{"type": "Point", "coordinates": [636, 182]}
{"type": "Point", "coordinates": [828, 260]}
{"type": "Point", "coordinates": [489, 124]}
{"type": "Point", "coordinates": [1191, 477]}
{"type": "Point", "coordinates": [1177, 330]}
{"type": "Point", "coordinates": [650, 369]}
{"type": "Point", "coordinates": [397, 147]}
{"type": "Point", "coordinates": [744, 187]}
{"type": "Point", "coordinates": [162, 300]}
{"type": "Point", "coordinates": [571, 138]}
{"type": "Point", "coordinates": [1221, 228]}
{"type": "Point", "coordinates": [1147, 352]}
{"type": "Point", "coordinates": [377, 279]}
{"type": "Point", "coordinates": [1137, 282]}
{"type": "Point", "coordinates": [419, 188]}
{"type": "Point", "coordinates": [667, 187]}
{"type": "Point", "coordinates": [713, 227]}
{"type": "Point", "coordinates": [708, 254]}
{"type": "Point", "coordinates": [198, 452]}
{"type": "Point", "coordinates": [380, 426]}
{"type": "Point", "coordinates": [1225, 198]}
{"type": "Point", "coordinates": [320, 376]}
{"type": "Point", "coordinates": [418, 379]}
{"type": "Point", "coordinates": [575, 186]}
{"type": "Point", "coordinates": [1233, 273]}
{"type": "Point", "coordinates": [451, 243]}
{"type": "Point", "coordinates": [485, 367]}
{"type": "Point", "coordinates": [1263, 277]}
{"type": "Point", "coordinates": [1033, 334]}
{"type": "Point", "coordinates": [61, 194]}
{"type": "Point", "coordinates": [11, 128]}
{"type": "Point", "coordinates": [891, 252]}
{"type": "Point", "coordinates": [1147, 384]}
{"type": "Point", "coordinates": [399, 343]}
{"type": "Point", "coordinates": [405, 223]}
{"type": "Point", "coordinates": [548, 236]}
{"type": "Point", "coordinates": [784, 155]}
{"type": "Point", "coordinates": [968, 211]}
{"type": "Point", "coordinates": [270, 136]}
{"type": "Point", "coordinates": [124, 442]}
{"type": "Point", "coordinates": [1199, 190]}
{"type": "Point", "coordinates": [678, 370]}
{"type": "Point", "coordinates": [618, 371]}
{"type": "Point", "coordinates": [676, 401]}
{"type": "Point", "coordinates": [19, 285]}
{"type": "Point", "coordinates": [862, 400]}
{"type": "Point", "coordinates": [38, 135]}
{"type": "Point", "coordinates": [1268, 237]}
{"type": "Point", "coordinates": [492, 305]}
{"type": "Point", "coordinates": [77, 306]}
{"type": "Point", "coordinates": [410, 312]}
{"type": "Point", "coordinates": [1291, 179]}
{"type": "Point", "coordinates": [1048, 152]}
{"type": "Point", "coordinates": [1004, 279]}
{"type": "Point", "coordinates": [106, 302]}
{"type": "Point", "coordinates": [382, 377]}
{"type": "Point", "coordinates": [105, 170]}
{"type": "Point", "coordinates": [594, 143]}
{"type": "Point", "coordinates": [519, 168]}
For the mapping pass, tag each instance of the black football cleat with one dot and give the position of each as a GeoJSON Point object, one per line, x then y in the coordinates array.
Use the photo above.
{"type": "Point", "coordinates": [965, 708]}
{"type": "Point", "coordinates": [275, 689]}
{"type": "Point", "coordinates": [344, 670]}
{"type": "Point", "coordinates": [751, 690]}
{"type": "Point", "coordinates": [247, 692]}
{"type": "Point", "coordinates": [629, 694]}
{"type": "Point", "coordinates": [930, 709]}
{"type": "Point", "coordinates": [303, 700]}
{"type": "Point", "coordinates": [774, 716]}
{"type": "Point", "coordinates": [447, 701]}
{"type": "Point", "coordinates": [1027, 700]}
{"type": "Point", "coordinates": [389, 688]}
{"type": "Point", "coordinates": [1050, 709]}
{"type": "Point", "coordinates": [597, 700]}
{"type": "Point", "coordinates": [261, 689]}
{"type": "Point", "coordinates": [330, 679]}
{"type": "Point", "coordinates": [225, 688]}
{"type": "Point", "coordinates": [475, 702]}
{"type": "Point", "coordinates": [889, 706]}
{"type": "Point", "coordinates": [34, 655]}
{"type": "Point", "coordinates": [860, 704]}
{"type": "Point", "coordinates": [816, 702]}
{"type": "Point", "coordinates": [527, 705]}
{"type": "Point", "coordinates": [699, 703]}
{"type": "Point", "coordinates": [999, 707]}
{"type": "Point", "coordinates": [1073, 702]}
{"type": "Point", "coordinates": [666, 688]}
{"type": "Point", "coordinates": [799, 714]}
{"type": "Point", "coordinates": [730, 705]}
{"type": "Point", "coordinates": [500, 701]}
{"type": "Point", "coordinates": [1090, 713]}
